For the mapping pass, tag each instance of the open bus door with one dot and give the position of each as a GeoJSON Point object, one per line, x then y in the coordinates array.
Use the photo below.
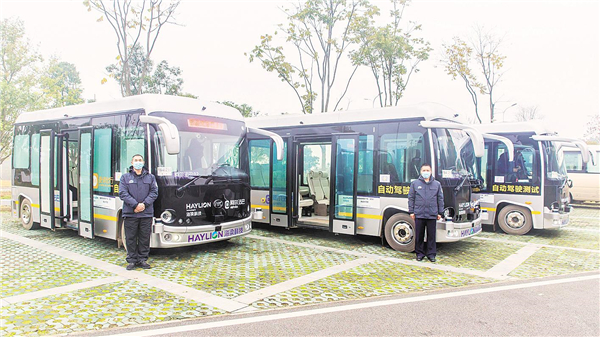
{"type": "Point", "coordinates": [280, 191]}
{"type": "Point", "coordinates": [85, 197]}
{"type": "Point", "coordinates": [344, 163]}
{"type": "Point", "coordinates": [47, 167]}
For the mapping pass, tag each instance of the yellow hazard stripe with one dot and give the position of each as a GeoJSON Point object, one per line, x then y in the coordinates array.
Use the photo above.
{"type": "Point", "coordinates": [105, 217]}
{"type": "Point", "coordinates": [35, 205]}
{"type": "Point", "coordinates": [259, 206]}
{"type": "Point", "coordinates": [364, 216]}
{"type": "Point", "coordinates": [489, 209]}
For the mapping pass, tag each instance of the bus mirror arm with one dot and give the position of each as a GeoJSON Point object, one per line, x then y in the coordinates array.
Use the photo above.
{"type": "Point", "coordinates": [275, 137]}
{"type": "Point", "coordinates": [585, 152]}
{"type": "Point", "coordinates": [591, 154]}
{"type": "Point", "coordinates": [509, 145]}
{"type": "Point", "coordinates": [475, 135]}
{"type": "Point", "coordinates": [169, 131]}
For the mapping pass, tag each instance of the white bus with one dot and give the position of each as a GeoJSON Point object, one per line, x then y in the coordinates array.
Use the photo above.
{"type": "Point", "coordinates": [67, 162]}
{"type": "Point", "coordinates": [523, 184]}
{"type": "Point", "coordinates": [585, 176]}
{"type": "Point", "coordinates": [350, 172]}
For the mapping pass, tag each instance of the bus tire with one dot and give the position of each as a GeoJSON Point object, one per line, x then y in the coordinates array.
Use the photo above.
{"type": "Point", "coordinates": [515, 220]}
{"type": "Point", "coordinates": [123, 238]}
{"type": "Point", "coordinates": [400, 232]}
{"type": "Point", "coordinates": [26, 215]}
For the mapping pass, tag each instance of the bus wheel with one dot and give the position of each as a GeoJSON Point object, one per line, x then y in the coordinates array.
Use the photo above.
{"type": "Point", "coordinates": [515, 220]}
{"type": "Point", "coordinates": [123, 239]}
{"type": "Point", "coordinates": [27, 215]}
{"type": "Point", "coordinates": [400, 232]}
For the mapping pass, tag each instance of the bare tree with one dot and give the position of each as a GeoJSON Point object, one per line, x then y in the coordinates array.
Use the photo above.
{"type": "Point", "coordinates": [528, 113]}
{"type": "Point", "coordinates": [487, 52]}
{"type": "Point", "coordinates": [457, 58]}
{"type": "Point", "coordinates": [321, 32]}
{"type": "Point", "coordinates": [134, 23]}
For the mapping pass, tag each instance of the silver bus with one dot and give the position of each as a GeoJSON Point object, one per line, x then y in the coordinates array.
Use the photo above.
{"type": "Point", "coordinates": [350, 172]}
{"type": "Point", "coordinates": [523, 182]}
{"type": "Point", "coordinates": [67, 162]}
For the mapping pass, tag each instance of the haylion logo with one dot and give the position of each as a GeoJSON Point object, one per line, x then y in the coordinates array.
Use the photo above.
{"type": "Point", "coordinates": [226, 204]}
{"type": "Point", "coordinates": [218, 203]}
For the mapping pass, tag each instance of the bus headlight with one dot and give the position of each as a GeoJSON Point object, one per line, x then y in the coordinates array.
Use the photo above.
{"type": "Point", "coordinates": [448, 213]}
{"type": "Point", "coordinates": [168, 216]}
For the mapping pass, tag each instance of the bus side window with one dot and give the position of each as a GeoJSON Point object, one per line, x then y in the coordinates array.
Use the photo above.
{"type": "Point", "coordinates": [21, 152]}
{"type": "Point", "coordinates": [401, 156]}
{"type": "Point", "coordinates": [259, 163]}
{"type": "Point", "coordinates": [132, 142]}
{"type": "Point", "coordinates": [35, 159]}
{"type": "Point", "coordinates": [365, 164]}
{"type": "Point", "coordinates": [573, 161]}
{"type": "Point", "coordinates": [102, 160]}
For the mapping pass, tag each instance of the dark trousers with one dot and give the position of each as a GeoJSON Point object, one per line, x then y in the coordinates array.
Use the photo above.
{"type": "Point", "coordinates": [137, 238]}
{"type": "Point", "coordinates": [422, 225]}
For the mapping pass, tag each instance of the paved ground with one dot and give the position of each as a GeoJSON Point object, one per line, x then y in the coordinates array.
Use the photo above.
{"type": "Point", "coordinates": [57, 282]}
{"type": "Point", "coordinates": [524, 308]}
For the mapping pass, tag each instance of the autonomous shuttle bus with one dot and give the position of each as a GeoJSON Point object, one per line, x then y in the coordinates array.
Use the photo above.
{"type": "Point", "coordinates": [350, 172]}
{"type": "Point", "coordinates": [67, 163]}
{"type": "Point", "coordinates": [523, 182]}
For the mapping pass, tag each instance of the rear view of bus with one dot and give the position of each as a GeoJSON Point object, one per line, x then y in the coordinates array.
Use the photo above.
{"type": "Point", "coordinates": [67, 164]}
{"type": "Point", "coordinates": [524, 183]}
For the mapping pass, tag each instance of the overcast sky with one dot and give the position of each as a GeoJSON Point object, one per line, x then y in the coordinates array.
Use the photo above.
{"type": "Point", "coordinates": [552, 50]}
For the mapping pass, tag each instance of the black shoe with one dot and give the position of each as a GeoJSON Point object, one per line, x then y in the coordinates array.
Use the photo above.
{"type": "Point", "coordinates": [432, 259]}
{"type": "Point", "coordinates": [130, 266]}
{"type": "Point", "coordinates": [419, 258]}
{"type": "Point", "coordinates": [144, 265]}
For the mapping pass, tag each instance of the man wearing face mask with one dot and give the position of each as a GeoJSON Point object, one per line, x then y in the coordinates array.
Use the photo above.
{"type": "Point", "coordinates": [138, 190]}
{"type": "Point", "coordinates": [426, 206]}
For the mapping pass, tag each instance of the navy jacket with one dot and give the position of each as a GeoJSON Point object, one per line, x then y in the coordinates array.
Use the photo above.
{"type": "Point", "coordinates": [135, 189]}
{"type": "Point", "coordinates": [426, 199]}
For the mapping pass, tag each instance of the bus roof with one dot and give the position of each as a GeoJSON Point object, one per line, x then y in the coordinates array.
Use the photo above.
{"type": "Point", "coordinates": [148, 102]}
{"type": "Point", "coordinates": [426, 111]}
{"type": "Point", "coordinates": [537, 127]}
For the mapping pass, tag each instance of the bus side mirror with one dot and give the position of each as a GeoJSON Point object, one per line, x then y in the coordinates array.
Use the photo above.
{"type": "Point", "coordinates": [169, 131]}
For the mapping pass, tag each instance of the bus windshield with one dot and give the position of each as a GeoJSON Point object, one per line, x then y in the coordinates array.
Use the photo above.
{"type": "Point", "coordinates": [206, 145]}
{"type": "Point", "coordinates": [452, 146]}
{"type": "Point", "coordinates": [555, 168]}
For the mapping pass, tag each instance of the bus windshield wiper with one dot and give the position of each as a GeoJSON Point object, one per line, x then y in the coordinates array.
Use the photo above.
{"type": "Point", "coordinates": [462, 182]}
{"type": "Point", "coordinates": [194, 179]}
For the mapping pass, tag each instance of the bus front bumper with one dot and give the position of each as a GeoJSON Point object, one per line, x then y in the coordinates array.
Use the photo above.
{"type": "Point", "coordinates": [555, 219]}
{"type": "Point", "coordinates": [165, 236]}
{"type": "Point", "coordinates": [448, 231]}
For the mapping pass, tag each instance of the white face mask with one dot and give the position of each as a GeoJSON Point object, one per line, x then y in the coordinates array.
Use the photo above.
{"type": "Point", "coordinates": [426, 174]}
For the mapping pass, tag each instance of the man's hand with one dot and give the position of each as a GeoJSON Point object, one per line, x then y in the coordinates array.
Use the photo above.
{"type": "Point", "coordinates": [139, 208]}
{"type": "Point", "coordinates": [439, 217]}
{"type": "Point", "coordinates": [412, 216]}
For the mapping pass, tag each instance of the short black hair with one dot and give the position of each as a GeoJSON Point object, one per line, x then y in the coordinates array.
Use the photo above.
{"type": "Point", "coordinates": [137, 155]}
{"type": "Point", "coordinates": [423, 165]}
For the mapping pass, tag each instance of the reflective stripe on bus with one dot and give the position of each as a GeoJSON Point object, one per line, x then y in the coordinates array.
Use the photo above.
{"type": "Point", "coordinates": [489, 209]}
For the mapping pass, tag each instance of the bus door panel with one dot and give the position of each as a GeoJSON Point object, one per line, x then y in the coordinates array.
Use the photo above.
{"type": "Point", "coordinates": [344, 163]}
{"type": "Point", "coordinates": [47, 217]}
{"type": "Point", "coordinates": [85, 197]}
{"type": "Point", "coordinates": [279, 191]}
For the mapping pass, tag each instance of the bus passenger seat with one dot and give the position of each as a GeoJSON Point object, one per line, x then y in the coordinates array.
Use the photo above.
{"type": "Point", "coordinates": [324, 181]}
{"type": "Point", "coordinates": [316, 190]}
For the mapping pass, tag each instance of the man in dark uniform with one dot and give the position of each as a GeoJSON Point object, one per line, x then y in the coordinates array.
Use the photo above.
{"type": "Point", "coordinates": [426, 206]}
{"type": "Point", "coordinates": [138, 190]}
